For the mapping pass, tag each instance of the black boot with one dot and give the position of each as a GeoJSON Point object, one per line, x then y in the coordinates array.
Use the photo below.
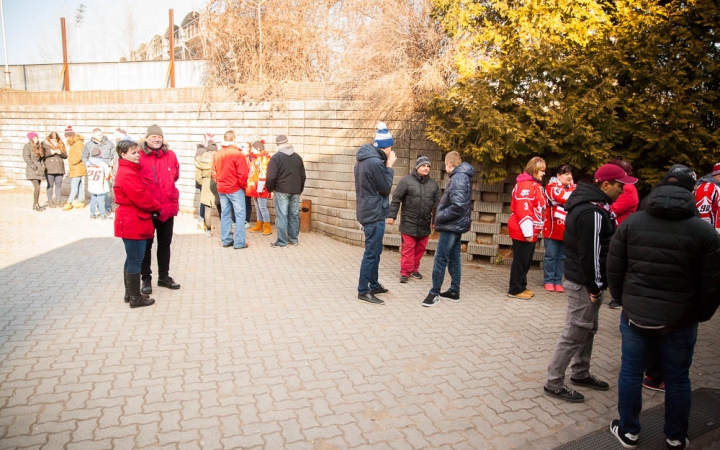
{"type": "Point", "coordinates": [127, 289]}
{"type": "Point", "coordinates": [136, 298]}
{"type": "Point", "coordinates": [147, 286]}
{"type": "Point", "coordinates": [37, 207]}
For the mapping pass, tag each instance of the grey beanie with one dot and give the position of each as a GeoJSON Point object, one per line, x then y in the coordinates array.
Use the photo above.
{"type": "Point", "coordinates": [281, 139]}
{"type": "Point", "coordinates": [421, 161]}
{"type": "Point", "coordinates": [154, 130]}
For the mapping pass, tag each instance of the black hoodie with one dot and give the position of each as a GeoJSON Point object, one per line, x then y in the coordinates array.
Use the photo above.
{"type": "Point", "coordinates": [664, 262]}
{"type": "Point", "coordinates": [588, 230]}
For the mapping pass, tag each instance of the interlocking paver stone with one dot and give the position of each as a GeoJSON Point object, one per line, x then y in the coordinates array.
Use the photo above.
{"type": "Point", "coordinates": [270, 349]}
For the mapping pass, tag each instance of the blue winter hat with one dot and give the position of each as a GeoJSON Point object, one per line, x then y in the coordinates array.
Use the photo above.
{"type": "Point", "coordinates": [383, 138]}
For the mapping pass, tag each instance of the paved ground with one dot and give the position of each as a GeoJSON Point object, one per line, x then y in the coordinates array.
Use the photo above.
{"type": "Point", "coordinates": [268, 348]}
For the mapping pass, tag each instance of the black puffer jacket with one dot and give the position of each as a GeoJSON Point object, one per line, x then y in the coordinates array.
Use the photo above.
{"type": "Point", "coordinates": [373, 182]}
{"type": "Point", "coordinates": [664, 262]}
{"type": "Point", "coordinates": [588, 230]}
{"type": "Point", "coordinates": [453, 212]}
{"type": "Point", "coordinates": [419, 197]}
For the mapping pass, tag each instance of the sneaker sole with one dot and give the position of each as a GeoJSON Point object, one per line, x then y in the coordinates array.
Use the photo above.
{"type": "Point", "coordinates": [370, 303]}
{"type": "Point", "coordinates": [565, 399]}
{"type": "Point", "coordinates": [519, 296]}
{"type": "Point", "coordinates": [428, 305]}
{"type": "Point", "coordinates": [613, 431]}
{"type": "Point", "coordinates": [653, 388]}
{"type": "Point", "coordinates": [595, 388]}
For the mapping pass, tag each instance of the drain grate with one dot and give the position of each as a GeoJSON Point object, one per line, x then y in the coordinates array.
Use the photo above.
{"type": "Point", "coordinates": [704, 417]}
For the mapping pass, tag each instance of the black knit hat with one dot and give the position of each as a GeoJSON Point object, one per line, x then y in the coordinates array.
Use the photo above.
{"type": "Point", "coordinates": [686, 178]}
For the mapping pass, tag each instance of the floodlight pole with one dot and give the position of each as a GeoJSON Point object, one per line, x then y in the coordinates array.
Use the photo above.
{"type": "Point", "coordinates": [8, 82]}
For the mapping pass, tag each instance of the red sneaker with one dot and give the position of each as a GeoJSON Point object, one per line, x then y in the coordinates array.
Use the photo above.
{"type": "Point", "coordinates": [549, 288]}
{"type": "Point", "coordinates": [559, 288]}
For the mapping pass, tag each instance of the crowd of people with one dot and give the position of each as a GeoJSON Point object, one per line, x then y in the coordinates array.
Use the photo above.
{"type": "Point", "coordinates": [660, 259]}
{"type": "Point", "coordinates": [141, 179]}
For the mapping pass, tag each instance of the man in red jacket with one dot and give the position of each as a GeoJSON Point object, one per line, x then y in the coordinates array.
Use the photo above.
{"type": "Point", "coordinates": [230, 172]}
{"type": "Point", "coordinates": [159, 170]}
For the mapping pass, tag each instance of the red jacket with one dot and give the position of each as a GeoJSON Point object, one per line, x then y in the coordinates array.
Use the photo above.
{"type": "Point", "coordinates": [557, 194]}
{"type": "Point", "coordinates": [707, 201]}
{"type": "Point", "coordinates": [257, 175]}
{"type": "Point", "coordinates": [133, 217]}
{"type": "Point", "coordinates": [159, 170]}
{"type": "Point", "coordinates": [626, 204]}
{"type": "Point", "coordinates": [528, 207]}
{"type": "Point", "coordinates": [230, 170]}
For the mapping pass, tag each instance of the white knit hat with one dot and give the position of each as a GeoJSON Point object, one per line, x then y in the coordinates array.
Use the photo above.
{"type": "Point", "coordinates": [383, 138]}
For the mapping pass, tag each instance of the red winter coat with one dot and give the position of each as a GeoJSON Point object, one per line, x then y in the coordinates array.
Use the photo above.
{"type": "Point", "coordinates": [230, 170]}
{"type": "Point", "coordinates": [528, 207]}
{"type": "Point", "coordinates": [626, 204]}
{"type": "Point", "coordinates": [557, 194]}
{"type": "Point", "coordinates": [159, 170]}
{"type": "Point", "coordinates": [133, 217]}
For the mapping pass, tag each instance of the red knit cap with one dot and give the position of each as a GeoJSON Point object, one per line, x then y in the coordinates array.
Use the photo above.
{"type": "Point", "coordinates": [69, 131]}
{"type": "Point", "coordinates": [716, 170]}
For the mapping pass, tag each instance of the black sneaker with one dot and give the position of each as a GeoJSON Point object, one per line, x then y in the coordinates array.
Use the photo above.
{"type": "Point", "coordinates": [613, 305]}
{"type": "Point", "coordinates": [403, 279]}
{"type": "Point", "coordinates": [228, 245]}
{"type": "Point", "coordinates": [677, 444]}
{"type": "Point", "coordinates": [431, 300]}
{"type": "Point", "coordinates": [168, 283]}
{"type": "Point", "coordinates": [565, 393]}
{"type": "Point", "coordinates": [416, 275]}
{"type": "Point", "coordinates": [592, 382]}
{"type": "Point", "coordinates": [649, 383]}
{"type": "Point", "coordinates": [276, 245]}
{"type": "Point", "coordinates": [627, 440]}
{"type": "Point", "coordinates": [379, 290]}
{"type": "Point", "coordinates": [454, 296]}
{"type": "Point", "coordinates": [370, 298]}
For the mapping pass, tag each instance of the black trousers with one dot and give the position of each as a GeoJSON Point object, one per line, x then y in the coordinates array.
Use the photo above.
{"type": "Point", "coordinates": [522, 258]}
{"type": "Point", "coordinates": [164, 232]}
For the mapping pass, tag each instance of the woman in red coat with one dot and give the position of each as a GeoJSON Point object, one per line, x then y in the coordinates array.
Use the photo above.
{"type": "Point", "coordinates": [558, 190]}
{"type": "Point", "coordinates": [133, 219]}
{"type": "Point", "coordinates": [526, 222]}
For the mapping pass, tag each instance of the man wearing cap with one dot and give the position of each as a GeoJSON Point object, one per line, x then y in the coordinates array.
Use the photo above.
{"type": "Point", "coordinates": [373, 182]}
{"type": "Point", "coordinates": [707, 197]}
{"type": "Point", "coordinates": [109, 155]}
{"type": "Point", "coordinates": [419, 196]}
{"type": "Point", "coordinates": [589, 225]}
{"type": "Point", "coordinates": [664, 269]}
{"type": "Point", "coordinates": [160, 170]}
{"type": "Point", "coordinates": [286, 178]}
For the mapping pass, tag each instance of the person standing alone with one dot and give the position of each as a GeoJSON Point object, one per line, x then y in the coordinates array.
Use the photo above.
{"type": "Point", "coordinates": [286, 181]}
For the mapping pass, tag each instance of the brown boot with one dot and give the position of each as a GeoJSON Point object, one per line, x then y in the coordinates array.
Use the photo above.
{"type": "Point", "coordinates": [267, 229]}
{"type": "Point", "coordinates": [258, 227]}
{"type": "Point", "coordinates": [67, 207]}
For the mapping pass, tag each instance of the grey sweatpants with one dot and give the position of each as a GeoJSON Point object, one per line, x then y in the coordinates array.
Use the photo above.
{"type": "Point", "coordinates": [576, 340]}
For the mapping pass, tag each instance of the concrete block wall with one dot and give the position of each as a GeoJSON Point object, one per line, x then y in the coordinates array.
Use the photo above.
{"type": "Point", "coordinates": [324, 129]}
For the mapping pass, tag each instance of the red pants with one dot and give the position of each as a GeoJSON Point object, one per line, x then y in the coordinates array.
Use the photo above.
{"type": "Point", "coordinates": [413, 249]}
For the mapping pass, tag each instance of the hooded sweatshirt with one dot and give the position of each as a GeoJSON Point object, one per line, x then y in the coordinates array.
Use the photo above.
{"type": "Point", "coordinates": [373, 182]}
{"type": "Point", "coordinates": [589, 226]}
{"type": "Point", "coordinates": [664, 262]}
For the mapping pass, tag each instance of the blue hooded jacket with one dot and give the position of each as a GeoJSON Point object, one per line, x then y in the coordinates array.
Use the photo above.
{"type": "Point", "coordinates": [373, 183]}
{"type": "Point", "coordinates": [453, 212]}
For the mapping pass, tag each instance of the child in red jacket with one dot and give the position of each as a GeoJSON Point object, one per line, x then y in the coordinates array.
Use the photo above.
{"type": "Point", "coordinates": [133, 219]}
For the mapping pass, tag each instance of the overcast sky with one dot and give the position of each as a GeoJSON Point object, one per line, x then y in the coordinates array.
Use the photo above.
{"type": "Point", "coordinates": [33, 33]}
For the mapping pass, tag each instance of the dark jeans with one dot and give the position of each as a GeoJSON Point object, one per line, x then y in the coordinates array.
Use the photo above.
{"type": "Point", "coordinates": [164, 231]}
{"type": "Point", "coordinates": [134, 254]}
{"type": "Point", "coordinates": [522, 258]}
{"type": "Point", "coordinates": [676, 349]}
{"type": "Point", "coordinates": [54, 180]}
{"type": "Point", "coordinates": [370, 264]}
{"type": "Point", "coordinates": [248, 208]}
{"type": "Point", "coordinates": [447, 254]}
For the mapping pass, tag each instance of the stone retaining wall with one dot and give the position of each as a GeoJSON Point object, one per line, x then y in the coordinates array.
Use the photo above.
{"type": "Point", "coordinates": [324, 129]}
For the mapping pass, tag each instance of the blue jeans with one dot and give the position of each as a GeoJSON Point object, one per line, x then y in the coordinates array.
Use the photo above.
{"type": "Point", "coordinates": [287, 219]}
{"type": "Point", "coordinates": [77, 189]}
{"type": "Point", "coordinates": [263, 215]}
{"type": "Point", "coordinates": [370, 264]}
{"type": "Point", "coordinates": [233, 204]}
{"type": "Point", "coordinates": [676, 348]}
{"type": "Point", "coordinates": [134, 254]}
{"type": "Point", "coordinates": [97, 200]}
{"type": "Point", "coordinates": [447, 254]}
{"type": "Point", "coordinates": [554, 262]}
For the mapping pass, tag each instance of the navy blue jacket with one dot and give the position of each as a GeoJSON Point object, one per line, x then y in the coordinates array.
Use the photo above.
{"type": "Point", "coordinates": [453, 212]}
{"type": "Point", "coordinates": [373, 183]}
